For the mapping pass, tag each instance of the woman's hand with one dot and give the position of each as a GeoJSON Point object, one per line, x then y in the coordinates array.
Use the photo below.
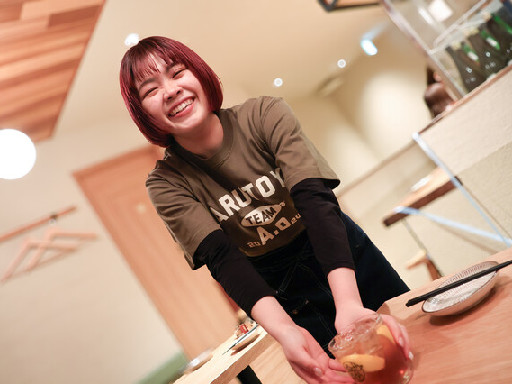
{"type": "Point", "coordinates": [349, 307]}
{"type": "Point", "coordinates": [399, 334]}
{"type": "Point", "coordinates": [350, 314]}
{"type": "Point", "coordinates": [308, 359]}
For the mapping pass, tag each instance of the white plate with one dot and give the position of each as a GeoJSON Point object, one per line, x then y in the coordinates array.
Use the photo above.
{"type": "Point", "coordinates": [465, 296]}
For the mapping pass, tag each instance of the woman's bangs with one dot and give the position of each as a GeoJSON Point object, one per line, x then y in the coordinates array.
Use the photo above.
{"type": "Point", "coordinates": [143, 66]}
{"type": "Point", "coordinates": [146, 65]}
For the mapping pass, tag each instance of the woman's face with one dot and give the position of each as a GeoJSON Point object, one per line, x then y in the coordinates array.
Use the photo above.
{"type": "Point", "coordinates": [175, 99]}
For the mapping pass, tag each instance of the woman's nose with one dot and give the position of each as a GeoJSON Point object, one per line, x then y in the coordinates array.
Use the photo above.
{"type": "Point", "coordinates": [171, 89]}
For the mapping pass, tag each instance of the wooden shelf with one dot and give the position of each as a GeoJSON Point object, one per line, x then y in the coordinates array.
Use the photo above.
{"type": "Point", "coordinates": [435, 185]}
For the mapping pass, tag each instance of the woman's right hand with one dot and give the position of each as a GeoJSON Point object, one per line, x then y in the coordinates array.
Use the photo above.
{"type": "Point", "coordinates": [308, 360]}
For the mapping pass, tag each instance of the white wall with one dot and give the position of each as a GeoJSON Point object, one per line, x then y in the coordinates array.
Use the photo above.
{"type": "Point", "coordinates": [339, 142]}
{"type": "Point", "coordinates": [382, 95]}
{"type": "Point", "coordinates": [375, 110]}
{"type": "Point", "coordinates": [83, 318]}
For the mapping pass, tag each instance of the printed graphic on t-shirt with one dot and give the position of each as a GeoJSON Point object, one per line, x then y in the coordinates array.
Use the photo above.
{"type": "Point", "coordinates": [281, 225]}
{"type": "Point", "coordinates": [264, 222]}
{"type": "Point", "coordinates": [262, 215]}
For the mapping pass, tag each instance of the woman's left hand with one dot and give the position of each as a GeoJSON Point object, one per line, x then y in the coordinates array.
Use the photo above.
{"type": "Point", "coordinates": [399, 333]}
{"type": "Point", "coordinates": [350, 314]}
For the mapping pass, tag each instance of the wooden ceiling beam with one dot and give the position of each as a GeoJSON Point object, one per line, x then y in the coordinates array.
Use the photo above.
{"type": "Point", "coordinates": [52, 7]}
{"type": "Point", "coordinates": [75, 15]}
{"type": "Point", "coordinates": [17, 100]}
{"type": "Point", "coordinates": [31, 47]}
{"type": "Point", "coordinates": [10, 12]}
{"type": "Point", "coordinates": [41, 45]}
{"type": "Point", "coordinates": [18, 29]}
{"type": "Point", "coordinates": [48, 59]}
{"type": "Point", "coordinates": [29, 116]}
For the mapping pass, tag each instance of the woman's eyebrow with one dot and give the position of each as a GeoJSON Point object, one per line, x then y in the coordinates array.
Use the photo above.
{"type": "Point", "coordinates": [172, 66]}
{"type": "Point", "coordinates": [145, 82]}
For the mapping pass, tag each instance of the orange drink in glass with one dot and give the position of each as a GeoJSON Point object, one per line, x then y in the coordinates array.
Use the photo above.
{"type": "Point", "coordinates": [369, 353]}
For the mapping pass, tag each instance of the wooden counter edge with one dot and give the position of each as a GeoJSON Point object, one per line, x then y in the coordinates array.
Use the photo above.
{"type": "Point", "coordinates": [229, 363]}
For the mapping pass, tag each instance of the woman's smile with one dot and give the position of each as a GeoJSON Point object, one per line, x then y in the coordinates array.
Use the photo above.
{"type": "Point", "coordinates": [178, 109]}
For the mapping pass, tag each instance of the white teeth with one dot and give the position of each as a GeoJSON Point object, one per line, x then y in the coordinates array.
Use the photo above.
{"type": "Point", "coordinates": [180, 107]}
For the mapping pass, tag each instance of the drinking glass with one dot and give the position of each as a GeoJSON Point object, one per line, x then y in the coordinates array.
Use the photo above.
{"type": "Point", "coordinates": [369, 353]}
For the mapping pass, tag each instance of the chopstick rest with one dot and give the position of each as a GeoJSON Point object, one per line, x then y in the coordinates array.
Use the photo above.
{"type": "Point", "coordinates": [455, 284]}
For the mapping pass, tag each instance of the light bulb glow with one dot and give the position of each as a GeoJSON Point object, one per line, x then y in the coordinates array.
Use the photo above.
{"type": "Point", "coordinates": [368, 47]}
{"type": "Point", "coordinates": [17, 154]}
{"type": "Point", "coordinates": [131, 39]}
{"type": "Point", "coordinates": [278, 82]}
{"type": "Point", "coordinates": [341, 63]}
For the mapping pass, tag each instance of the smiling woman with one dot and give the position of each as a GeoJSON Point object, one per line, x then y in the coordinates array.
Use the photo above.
{"type": "Point", "coordinates": [244, 192]}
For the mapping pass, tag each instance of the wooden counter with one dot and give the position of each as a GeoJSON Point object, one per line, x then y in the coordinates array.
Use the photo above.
{"type": "Point", "coordinates": [472, 347]}
{"type": "Point", "coordinates": [225, 366]}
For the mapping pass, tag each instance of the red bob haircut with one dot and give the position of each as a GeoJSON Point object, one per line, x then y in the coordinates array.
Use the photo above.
{"type": "Point", "coordinates": [138, 62]}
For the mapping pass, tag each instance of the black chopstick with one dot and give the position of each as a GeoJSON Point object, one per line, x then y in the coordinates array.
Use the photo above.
{"type": "Point", "coordinates": [455, 284]}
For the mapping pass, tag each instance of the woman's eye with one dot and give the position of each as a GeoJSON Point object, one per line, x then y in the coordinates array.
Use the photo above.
{"type": "Point", "coordinates": [177, 72]}
{"type": "Point", "coordinates": [148, 92]}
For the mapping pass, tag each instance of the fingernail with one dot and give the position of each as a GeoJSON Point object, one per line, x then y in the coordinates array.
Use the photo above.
{"type": "Point", "coordinates": [411, 356]}
{"type": "Point", "coordinates": [401, 342]}
{"type": "Point", "coordinates": [318, 372]}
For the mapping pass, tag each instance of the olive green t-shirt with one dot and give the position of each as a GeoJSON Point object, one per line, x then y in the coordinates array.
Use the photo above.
{"type": "Point", "coordinates": [244, 188]}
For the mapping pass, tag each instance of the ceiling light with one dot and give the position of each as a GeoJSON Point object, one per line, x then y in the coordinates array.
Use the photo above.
{"type": "Point", "coordinates": [17, 154]}
{"type": "Point", "coordinates": [131, 39]}
{"type": "Point", "coordinates": [278, 82]}
{"type": "Point", "coordinates": [368, 47]}
{"type": "Point", "coordinates": [341, 63]}
{"type": "Point", "coordinates": [440, 10]}
{"type": "Point", "coordinates": [426, 16]}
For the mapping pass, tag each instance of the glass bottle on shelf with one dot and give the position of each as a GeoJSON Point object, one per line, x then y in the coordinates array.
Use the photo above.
{"type": "Point", "coordinates": [505, 11]}
{"type": "Point", "coordinates": [490, 58]}
{"type": "Point", "coordinates": [503, 23]}
{"type": "Point", "coordinates": [507, 5]}
{"type": "Point", "coordinates": [502, 33]}
{"type": "Point", "coordinates": [467, 66]}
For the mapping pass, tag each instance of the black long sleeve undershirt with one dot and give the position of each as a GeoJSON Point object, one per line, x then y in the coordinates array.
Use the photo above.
{"type": "Point", "coordinates": [230, 267]}
{"type": "Point", "coordinates": [321, 215]}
